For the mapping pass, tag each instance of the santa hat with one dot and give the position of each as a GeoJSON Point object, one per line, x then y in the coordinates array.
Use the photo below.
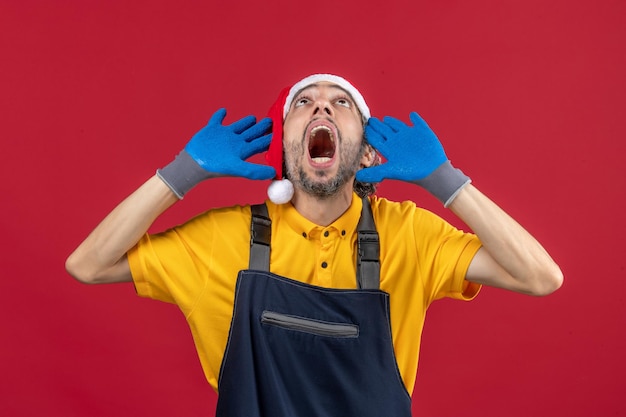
{"type": "Point", "coordinates": [280, 190]}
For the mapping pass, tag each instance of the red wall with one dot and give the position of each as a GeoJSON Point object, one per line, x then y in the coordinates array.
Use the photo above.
{"type": "Point", "coordinates": [527, 97]}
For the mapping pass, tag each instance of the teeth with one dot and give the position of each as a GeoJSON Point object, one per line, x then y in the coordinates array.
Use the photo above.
{"type": "Point", "coordinates": [318, 128]}
{"type": "Point", "coordinates": [321, 159]}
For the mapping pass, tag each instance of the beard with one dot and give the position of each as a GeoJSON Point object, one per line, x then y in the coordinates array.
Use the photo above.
{"type": "Point", "coordinates": [316, 185]}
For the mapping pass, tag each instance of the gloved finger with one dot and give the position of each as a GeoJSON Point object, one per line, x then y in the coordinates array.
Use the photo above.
{"type": "Point", "coordinates": [371, 174]}
{"type": "Point", "coordinates": [379, 127]}
{"type": "Point", "coordinates": [375, 139]}
{"type": "Point", "coordinates": [260, 128]}
{"type": "Point", "coordinates": [395, 124]}
{"type": "Point", "coordinates": [256, 145]}
{"type": "Point", "coordinates": [218, 117]}
{"type": "Point", "coordinates": [417, 120]}
{"type": "Point", "coordinates": [243, 124]}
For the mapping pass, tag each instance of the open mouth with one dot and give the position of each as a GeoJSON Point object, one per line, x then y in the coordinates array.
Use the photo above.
{"type": "Point", "coordinates": [321, 144]}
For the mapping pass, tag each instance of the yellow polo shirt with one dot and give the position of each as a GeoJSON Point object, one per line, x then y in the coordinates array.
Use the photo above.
{"type": "Point", "coordinates": [195, 266]}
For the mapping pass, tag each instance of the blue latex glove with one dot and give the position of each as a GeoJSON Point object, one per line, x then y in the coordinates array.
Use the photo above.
{"type": "Point", "coordinates": [414, 154]}
{"type": "Point", "coordinates": [220, 150]}
{"type": "Point", "coordinates": [223, 150]}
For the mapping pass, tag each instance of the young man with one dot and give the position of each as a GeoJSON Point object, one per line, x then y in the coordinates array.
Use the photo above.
{"type": "Point", "coordinates": [322, 314]}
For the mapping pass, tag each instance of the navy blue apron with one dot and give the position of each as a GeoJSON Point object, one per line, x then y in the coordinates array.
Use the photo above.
{"type": "Point", "coordinates": [297, 350]}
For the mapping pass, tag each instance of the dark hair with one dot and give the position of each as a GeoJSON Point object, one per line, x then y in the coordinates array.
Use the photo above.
{"type": "Point", "coordinates": [366, 189]}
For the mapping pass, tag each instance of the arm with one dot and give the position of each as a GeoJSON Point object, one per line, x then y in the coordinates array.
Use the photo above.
{"type": "Point", "coordinates": [216, 150]}
{"type": "Point", "coordinates": [510, 257]}
{"type": "Point", "coordinates": [101, 258]}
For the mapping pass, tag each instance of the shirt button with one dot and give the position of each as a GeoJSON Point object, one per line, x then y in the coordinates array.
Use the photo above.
{"type": "Point", "coordinates": [303, 234]}
{"type": "Point", "coordinates": [324, 264]}
{"type": "Point", "coordinates": [343, 233]}
{"type": "Point", "coordinates": [326, 233]}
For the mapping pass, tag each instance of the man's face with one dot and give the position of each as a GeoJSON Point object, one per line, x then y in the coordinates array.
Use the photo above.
{"type": "Point", "coordinates": [323, 136]}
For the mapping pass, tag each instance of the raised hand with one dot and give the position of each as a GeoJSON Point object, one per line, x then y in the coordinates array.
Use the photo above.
{"type": "Point", "coordinates": [414, 154]}
{"type": "Point", "coordinates": [223, 149]}
{"type": "Point", "coordinates": [219, 150]}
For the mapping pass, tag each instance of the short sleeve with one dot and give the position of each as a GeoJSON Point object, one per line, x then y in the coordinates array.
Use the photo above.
{"type": "Point", "coordinates": [444, 256]}
{"type": "Point", "coordinates": [177, 265]}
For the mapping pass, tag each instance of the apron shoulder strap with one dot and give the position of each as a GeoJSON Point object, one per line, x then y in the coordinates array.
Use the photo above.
{"type": "Point", "coordinates": [260, 238]}
{"type": "Point", "coordinates": [368, 245]}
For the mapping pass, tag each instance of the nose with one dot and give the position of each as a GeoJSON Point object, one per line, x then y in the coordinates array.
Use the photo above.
{"type": "Point", "coordinates": [322, 107]}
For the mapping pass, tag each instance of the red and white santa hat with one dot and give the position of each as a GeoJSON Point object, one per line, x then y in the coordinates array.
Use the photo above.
{"type": "Point", "coordinates": [280, 190]}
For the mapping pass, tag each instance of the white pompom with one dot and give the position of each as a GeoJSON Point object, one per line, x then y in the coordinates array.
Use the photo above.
{"type": "Point", "coordinates": [280, 191]}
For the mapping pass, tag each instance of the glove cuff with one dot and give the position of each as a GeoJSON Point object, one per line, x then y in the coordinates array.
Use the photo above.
{"type": "Point", "coordinates": [182, 174]}
{"type": "Point", "coordinates": [445, 183]}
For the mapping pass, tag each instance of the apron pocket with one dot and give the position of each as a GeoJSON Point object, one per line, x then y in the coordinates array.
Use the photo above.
{"type": "Point", "coordinates": [307, 325]}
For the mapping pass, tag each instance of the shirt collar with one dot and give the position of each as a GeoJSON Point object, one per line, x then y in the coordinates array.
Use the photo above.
{"type": "Point", "coordinates": [347, 222]}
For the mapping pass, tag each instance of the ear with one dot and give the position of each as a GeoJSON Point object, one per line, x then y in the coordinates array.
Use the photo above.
{"type": "Point", "coordinates": [368, 157]}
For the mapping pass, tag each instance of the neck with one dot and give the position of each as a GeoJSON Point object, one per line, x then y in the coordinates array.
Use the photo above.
{"type": "Point", "coordinates": [322, 211]}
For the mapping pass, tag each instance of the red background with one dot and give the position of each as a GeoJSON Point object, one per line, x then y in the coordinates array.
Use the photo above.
{"type": "Point", "coordinates": [527, 97]}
